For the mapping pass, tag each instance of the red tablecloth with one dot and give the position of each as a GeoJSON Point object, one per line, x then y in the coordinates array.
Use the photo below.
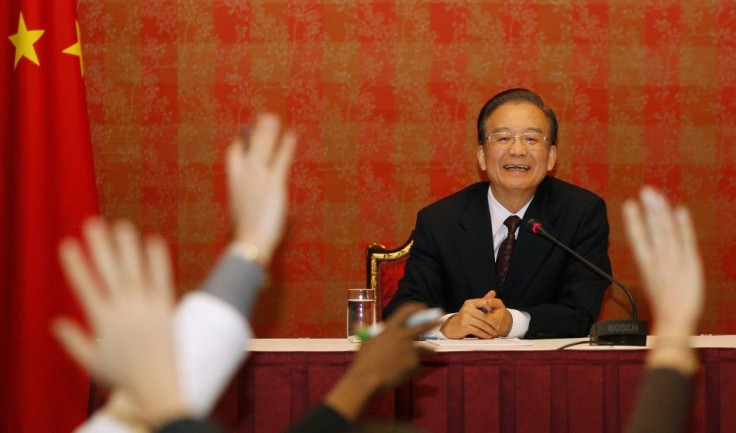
{"type": "Point", "coordinates": [481, 391]}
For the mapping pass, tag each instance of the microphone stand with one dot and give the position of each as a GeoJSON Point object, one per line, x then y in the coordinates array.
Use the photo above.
{"type": "Point", "coordinates": [623, 332]}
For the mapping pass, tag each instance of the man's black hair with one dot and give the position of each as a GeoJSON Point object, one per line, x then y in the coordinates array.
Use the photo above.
{"type": "Point", "coordinates": [516, 95]}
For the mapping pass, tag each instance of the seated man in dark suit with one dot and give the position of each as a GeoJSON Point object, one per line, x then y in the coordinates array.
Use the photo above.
{"type": "Point", "coordinates": [542, 292]}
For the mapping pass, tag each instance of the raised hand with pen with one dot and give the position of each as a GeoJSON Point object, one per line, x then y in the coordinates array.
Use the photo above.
{"type": "Point", "coordinates": [383, 362]}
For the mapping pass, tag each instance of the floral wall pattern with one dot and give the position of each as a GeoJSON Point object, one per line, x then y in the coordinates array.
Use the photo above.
{"type": "Point", "coordinates": [384, 96]}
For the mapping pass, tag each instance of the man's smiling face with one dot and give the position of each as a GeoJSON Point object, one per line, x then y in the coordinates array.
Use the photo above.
{"type": "Point", "coordinates": [517, 169]}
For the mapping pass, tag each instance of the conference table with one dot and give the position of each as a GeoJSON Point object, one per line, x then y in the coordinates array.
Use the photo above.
{"type": "Point", "coordinates": [516, 386]}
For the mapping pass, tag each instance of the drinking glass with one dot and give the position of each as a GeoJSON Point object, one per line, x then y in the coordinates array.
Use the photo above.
{"type": "Point", "coordinates": [361, 311]}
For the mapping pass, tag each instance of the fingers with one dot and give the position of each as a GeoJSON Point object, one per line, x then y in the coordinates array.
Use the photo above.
{"type": "Point", "coordinates": [285, 155]}
{"type": "Point", "coordinates": [481, 329]}
{"type": "Point", "coordinates": [235, 153]}
{"type": "Point", "coordinates": [244, 136]}
{"type": "Point", "coordinates": [689, 239]}
{"type": "Point", "coordinates": [492, 321]}
{"type": "Point", "coordinates": [660, 222]}
{"type": "Point", "coordinates": [420, 329]}
{"type": "Point", "coordinates": [425, 323]}
{"type": "Point", "coordinates": [75, 341]}
{"type": "Point", "coordinates": [264, 137]}
{"type": "Point", "coordinates": [266, 145]}
{"type": "Point", "coordinates": [97, 238]}
{"type": "Point", "coordinates": [80, 277]}
{"type": "Point", "coordinates": [691, 258]}
{"type": "Point", "coordinates": [481, 305]}
{"type": "Point", "coordinates": [399, 317]}
{"type": "Point", "coordinates": [118, 260]}
{"type": "Point", "coordinates": [495, 304]}
{"type": "Point", "coordinates": [636, 233]}
{"type": "Point", "coordinates": [425, 350]}
{"type": "Point", "coordinates": [654, 228]}
{"type": "Point", "coordinates": [159, 267]}
{"type": "Point", "coordinates": [472, 320]}
{"type": "Point", "coordinates": [130, 257]}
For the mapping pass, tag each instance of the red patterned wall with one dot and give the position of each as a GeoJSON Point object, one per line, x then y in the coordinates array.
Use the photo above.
{"type": "Point", "coordinates": [384, 95]}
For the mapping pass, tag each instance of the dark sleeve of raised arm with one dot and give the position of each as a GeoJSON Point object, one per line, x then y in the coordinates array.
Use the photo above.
{"type": "Point", "coordinates": [663, 402]}
{"type": "Point", "coordinates": [190, 425]}
{"type": "Point", "coordinates": [320, 419]}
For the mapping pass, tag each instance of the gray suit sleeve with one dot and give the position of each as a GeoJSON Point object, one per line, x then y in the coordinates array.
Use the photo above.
{"type": "Point", "coordinates": [236, 281]}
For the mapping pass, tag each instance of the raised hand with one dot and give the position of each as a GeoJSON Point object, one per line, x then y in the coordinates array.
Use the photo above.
{"type": "Point", "coordinates": [125, 290]}
{"type": "Point", "coordinates": [257, 170]}
{"type": "Point", "coordinates": [665, 248]}
{"type": "Point", "coordinates": [383, 362]}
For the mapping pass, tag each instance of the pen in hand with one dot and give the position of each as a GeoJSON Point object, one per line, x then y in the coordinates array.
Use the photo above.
{"type": "Point", "coordinates": [416, 319]}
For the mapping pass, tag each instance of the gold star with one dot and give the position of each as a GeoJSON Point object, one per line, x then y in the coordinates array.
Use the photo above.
{"type": "Point", "coordinates": [76, 49]}
{"type": "Point", "coordinates": [23, 41]}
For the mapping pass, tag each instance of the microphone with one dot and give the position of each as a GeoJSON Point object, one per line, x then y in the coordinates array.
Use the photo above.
{"type": "Point", "coordinates": [627, 332]}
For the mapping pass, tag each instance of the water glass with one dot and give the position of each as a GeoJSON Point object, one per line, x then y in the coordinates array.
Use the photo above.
{"type": "Point", "coordinates": [361, 311]}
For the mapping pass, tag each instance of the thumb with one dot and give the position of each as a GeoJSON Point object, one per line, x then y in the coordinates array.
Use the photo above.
{"type": "Point", "coordinates": [490, 295]}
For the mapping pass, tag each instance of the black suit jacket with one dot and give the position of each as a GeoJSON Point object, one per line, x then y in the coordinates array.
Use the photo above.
{"type": "Point", "coordinates": [452, 260]}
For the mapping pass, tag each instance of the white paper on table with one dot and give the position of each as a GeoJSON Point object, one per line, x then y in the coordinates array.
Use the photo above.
{"type": "Point", "coordinates": [477, 342]}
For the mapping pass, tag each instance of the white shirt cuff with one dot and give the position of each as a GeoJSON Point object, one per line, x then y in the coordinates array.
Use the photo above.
{"type": "Point", "coordinates": [434, 333]}
{"type": "Point", "coordinates": [520, 325]}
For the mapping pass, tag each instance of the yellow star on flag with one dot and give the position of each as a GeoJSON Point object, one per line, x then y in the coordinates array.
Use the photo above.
{"type": "Point", "coordinates": [76, 49]}
{"type": "Point", "coordinates": [23, 41]}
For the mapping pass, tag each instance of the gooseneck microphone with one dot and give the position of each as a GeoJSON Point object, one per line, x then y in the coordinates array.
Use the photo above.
{"type": "Point", "coordinates": [629, 332]}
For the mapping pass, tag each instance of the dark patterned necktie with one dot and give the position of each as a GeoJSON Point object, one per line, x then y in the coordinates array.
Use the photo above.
{"type": "Point", "coordinates": [503, 260]}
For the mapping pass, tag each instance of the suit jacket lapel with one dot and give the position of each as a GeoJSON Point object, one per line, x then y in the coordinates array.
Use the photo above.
{"type": "Point", "coordinates": [530, 251]}
{"type": "Point", "coordinates": [474, 245]}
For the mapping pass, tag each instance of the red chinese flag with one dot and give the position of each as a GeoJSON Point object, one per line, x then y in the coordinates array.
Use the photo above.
{"type": "Point", "coordinates": [47, 188]}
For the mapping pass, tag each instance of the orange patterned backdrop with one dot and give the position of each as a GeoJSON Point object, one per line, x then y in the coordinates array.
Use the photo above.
{"type": "Point", "coordinates": [384, 96]}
